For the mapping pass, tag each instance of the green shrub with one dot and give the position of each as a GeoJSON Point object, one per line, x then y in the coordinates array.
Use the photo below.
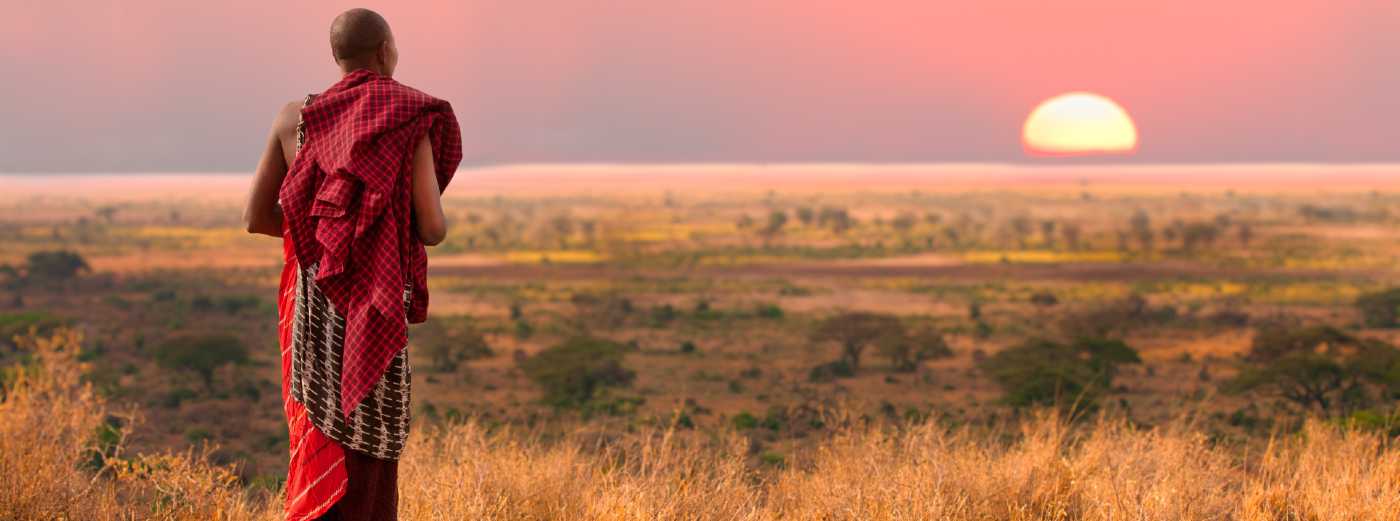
{"type": "Point", "coordinates": [1380, 309]}
{"type": "Point", "coordinates": [574, 372]}
{"type": "Point", "coordinates": [236, 304]}
{"type": "Point", "coordinates": [202, 303]}
{"type": "Point", "coordinates": [56, 265]}
{"type": "Point", "coordinates": [202, 354]}
{"type": "Point", "coordinates": [447, 342]}
{"type": "Point", "coordinates": [197, 434]}
{"type": "Point", "coordinates": [744, 421]}
{"type": "Point", "coordinates": [1044, 299]}
{"type": "Point", "coordinates": [1045, 372]}
{"type": "Point", "coordinates": [663, 315]}
{"type": "Point", "coordinates": [177, 396]}
{"type": "Point", "coordinates": [831, 371]}
{"type": "Point", "coordinates": [1115, 318]}
{"type": "Point", "coordinates": [769, 311]}
{"type": "Point", "coordinates": [523, 330]}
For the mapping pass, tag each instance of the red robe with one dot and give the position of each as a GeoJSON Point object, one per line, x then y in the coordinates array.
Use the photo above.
{"type": "Point", "coordinates": [347, 205]}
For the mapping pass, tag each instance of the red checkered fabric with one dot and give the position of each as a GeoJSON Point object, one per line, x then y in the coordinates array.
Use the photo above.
{"type": "Point", "coordinates": [347, 201]}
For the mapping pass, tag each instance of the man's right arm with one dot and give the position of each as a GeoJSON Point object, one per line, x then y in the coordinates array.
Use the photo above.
{"type": "Point", "coordinates": [263, 215]}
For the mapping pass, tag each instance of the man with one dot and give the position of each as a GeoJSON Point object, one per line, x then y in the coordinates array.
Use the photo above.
{"type": "Point", "coordinates": [351, 179]}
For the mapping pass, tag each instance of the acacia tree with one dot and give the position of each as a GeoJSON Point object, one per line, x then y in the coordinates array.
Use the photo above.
{"type": "Point", "coordinates": [857, 331]}
{"type": "Point", "coordinates": [1047, 232]}
{"type": "Point", "coordinates": [1071, 233]}
{"type": "Point", "coordinates": [1320, 369]}
{"type": "Point", "coordinates": [906, 351]}
{"type": "Point", "coordinates": [774, 227]}
{"type": "Point", "coordinates": [1141, 226]}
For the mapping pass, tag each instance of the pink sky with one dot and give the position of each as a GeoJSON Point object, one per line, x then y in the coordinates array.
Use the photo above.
{"type": "Point", "coordinates": [164, 85]}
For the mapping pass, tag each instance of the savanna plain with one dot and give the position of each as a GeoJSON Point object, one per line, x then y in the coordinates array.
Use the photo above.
{"type": "Point", "coordinates": [1082, 342]}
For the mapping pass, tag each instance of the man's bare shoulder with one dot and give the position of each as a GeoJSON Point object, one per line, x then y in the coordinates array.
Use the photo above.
{"type": "Point", "coordinates": [286, 123]}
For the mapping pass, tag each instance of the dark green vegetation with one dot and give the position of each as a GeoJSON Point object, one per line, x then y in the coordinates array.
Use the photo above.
{"type": "Point", "coordinates": [1380, 309]}
{"type": "Point", "coordinates": [577, 371]}
{"type": "Point", "coordinates": [202, 355]}
{"type": "Point", "coordinates": [448, 342]}
{"type": "Point", "coordinates": [1045, 372]}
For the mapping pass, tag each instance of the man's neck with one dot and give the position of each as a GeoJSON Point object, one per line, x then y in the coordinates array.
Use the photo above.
{"type": "Point", "coordinates": [370, 68]}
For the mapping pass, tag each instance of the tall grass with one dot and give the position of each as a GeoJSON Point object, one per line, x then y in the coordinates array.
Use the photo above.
{"type": "Point", "coordinates": [1048, 470]}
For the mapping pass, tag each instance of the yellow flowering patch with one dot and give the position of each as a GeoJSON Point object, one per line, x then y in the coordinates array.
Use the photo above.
{"type": "Point", "coordinates": [188, 236]}
{"type": "Point", "coordinates": [567, 256]}
{"type": "Point", "coordinates": [1308, 293]}
{"type": "Point", "coordinates": [1041, 256]}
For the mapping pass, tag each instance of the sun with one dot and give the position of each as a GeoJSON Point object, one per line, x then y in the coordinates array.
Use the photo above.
{"type": "Point", "coordinates": [1079, 124]}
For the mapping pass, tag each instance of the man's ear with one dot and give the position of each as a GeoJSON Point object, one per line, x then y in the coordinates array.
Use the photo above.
{"type": "Point", "coordinates": [383, 53]}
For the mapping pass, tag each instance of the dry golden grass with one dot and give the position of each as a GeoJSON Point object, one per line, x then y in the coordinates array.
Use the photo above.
{"type": "Point", "coordinates": [1047, 471]}
{"type": "Point", "coordinates": [53, 466]}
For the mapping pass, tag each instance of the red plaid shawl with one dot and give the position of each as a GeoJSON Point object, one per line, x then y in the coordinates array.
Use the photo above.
{"type": "Point", "coordinates": [348, 206]}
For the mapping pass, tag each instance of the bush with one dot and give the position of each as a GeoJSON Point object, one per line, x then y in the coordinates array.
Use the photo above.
{"type": "Point", "coordinates": [202, 354]}
{"type": "Point", "coordinates": [1116, 318]}
{"type": "Point", "coordinates": [1044, 299]}
{"type": "Point", "coordinates": [56, 265]}
{"type": "Point", "coordinates": [744, 421]}
{"type": "Point", "coordinates": [1044, 372]}
{"type": "Point", "coordinates": [1380, 309]}
{"type": "Point", "coordinates": [831, 370]}
{"type": "Point", "coordinates": [449, 342]}
{"type": "Point", "coordinates": [236, 304]}
{"type": "Point", "coordinates": [574, 372]}
{"type": "Point", "coordinates": [523, 330]}
{"type": "Point", "coordinates": [663, 315]}
{"type": "Point", "coordinates": [769, 311]}
{"type": "Point", "coordinates": [607, 310]}
{"type": "Point", "coordinates": [177, 396]}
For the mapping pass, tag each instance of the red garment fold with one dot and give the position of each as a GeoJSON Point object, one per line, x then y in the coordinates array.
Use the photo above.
{"type": "Point", "coordinates": [347, 200]}
{"type": "Point", "coordinates": [316, 473]}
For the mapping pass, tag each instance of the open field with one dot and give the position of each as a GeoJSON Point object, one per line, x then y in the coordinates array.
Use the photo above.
{"type": "Point", "coordinates": [747, 309]}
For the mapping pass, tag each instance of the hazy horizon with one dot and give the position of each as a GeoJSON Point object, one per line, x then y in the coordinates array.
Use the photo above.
{"type": "Point", "coordinates": [694, 179]}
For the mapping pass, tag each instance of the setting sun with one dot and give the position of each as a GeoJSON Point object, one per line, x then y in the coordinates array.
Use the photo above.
{"type": "Point", "coordinates": [1079, 124]}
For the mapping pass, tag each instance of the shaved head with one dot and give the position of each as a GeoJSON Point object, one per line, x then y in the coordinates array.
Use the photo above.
{"type": "Point", "coordinates": [357, 34]}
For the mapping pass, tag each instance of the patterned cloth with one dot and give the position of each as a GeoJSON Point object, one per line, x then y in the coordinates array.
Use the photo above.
{"type": "Point", "coordinates": [347, 203]}
{"type": "Point", "coordinates": [378, 425]}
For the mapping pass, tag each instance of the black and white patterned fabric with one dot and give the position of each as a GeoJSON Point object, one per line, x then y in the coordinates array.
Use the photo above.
{"type": "Point", "coordinates": [379, 424]}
